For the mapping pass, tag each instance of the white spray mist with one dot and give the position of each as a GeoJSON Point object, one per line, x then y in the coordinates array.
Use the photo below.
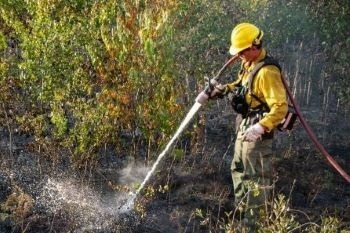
{"type": "Point", "coordinates": [130, 203]}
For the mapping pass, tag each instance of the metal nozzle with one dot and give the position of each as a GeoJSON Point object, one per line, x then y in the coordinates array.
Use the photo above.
{"type": "Point", "coordinates": [202, 98]}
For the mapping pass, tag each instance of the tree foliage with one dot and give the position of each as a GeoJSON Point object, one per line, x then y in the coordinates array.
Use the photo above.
{"type": "Point", "coordinates": [91, 73]}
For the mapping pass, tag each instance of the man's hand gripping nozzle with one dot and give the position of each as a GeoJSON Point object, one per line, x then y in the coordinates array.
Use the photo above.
{"type": "Point", "coordinates": [212, 89]}
{"type": "Point", "coordinates": [204, 95]}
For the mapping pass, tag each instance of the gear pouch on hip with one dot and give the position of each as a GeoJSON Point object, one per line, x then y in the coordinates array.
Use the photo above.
{"type": "Point", "coordinates": [237, 99]}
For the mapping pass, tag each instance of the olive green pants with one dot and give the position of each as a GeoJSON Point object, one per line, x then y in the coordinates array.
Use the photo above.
{"type": "Point", "coordinates": [251, 172]}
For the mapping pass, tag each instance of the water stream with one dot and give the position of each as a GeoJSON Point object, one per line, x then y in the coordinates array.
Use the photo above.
{"type": "Point", "coordinates": [130, 202]}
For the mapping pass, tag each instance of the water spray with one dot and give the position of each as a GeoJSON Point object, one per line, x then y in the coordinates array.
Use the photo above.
{"type": "Point", "coordinates": [130, 202]}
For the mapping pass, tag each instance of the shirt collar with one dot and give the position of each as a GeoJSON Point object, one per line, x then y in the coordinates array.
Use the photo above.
{"type": "Point", "coordinates": [262, 55]}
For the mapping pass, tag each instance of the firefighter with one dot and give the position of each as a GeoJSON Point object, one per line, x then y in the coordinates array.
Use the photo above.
{"type": "Point", "coordinates": [263, 107]}
{"type": "Point", "coordinates": [259, 98]}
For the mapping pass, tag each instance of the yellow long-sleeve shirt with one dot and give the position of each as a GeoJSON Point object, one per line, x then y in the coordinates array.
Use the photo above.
{"type": "Point", "coordinates": [268, 87]}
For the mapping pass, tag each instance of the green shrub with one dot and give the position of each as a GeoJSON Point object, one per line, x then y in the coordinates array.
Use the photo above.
{"type": "Point", "coordinates": [95, 69]}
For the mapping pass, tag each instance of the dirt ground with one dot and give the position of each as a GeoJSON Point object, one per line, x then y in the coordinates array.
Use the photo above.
{"type": "Point", "coordinates": [189, 193]}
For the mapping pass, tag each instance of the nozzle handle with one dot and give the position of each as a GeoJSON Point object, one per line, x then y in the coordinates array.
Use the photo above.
{"type": "Point", "coordinates": [202, 97]}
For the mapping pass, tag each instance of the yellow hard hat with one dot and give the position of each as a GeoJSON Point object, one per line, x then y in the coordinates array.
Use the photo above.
{"type": "Point", "coordinates": [243, 36]}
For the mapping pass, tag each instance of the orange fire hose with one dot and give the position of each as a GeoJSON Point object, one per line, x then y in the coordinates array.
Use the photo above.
{"type": "Point", "coordinates": [313, 137]}
{"type": "Point", "coordinates": [306, 126]}
{"type": "Point", "coordinates": [228, 63]}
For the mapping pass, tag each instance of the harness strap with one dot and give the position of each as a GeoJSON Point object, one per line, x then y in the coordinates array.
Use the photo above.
{"type": "Point", "coordinates": [265, 62]}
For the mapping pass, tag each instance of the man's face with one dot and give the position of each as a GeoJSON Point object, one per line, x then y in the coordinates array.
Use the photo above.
{"type": "Point", "coordinates": [250, 54]}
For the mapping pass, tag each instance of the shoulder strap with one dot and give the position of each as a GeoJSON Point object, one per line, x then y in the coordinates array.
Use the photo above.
{"type": "Point", "coordinates": [265, 62]}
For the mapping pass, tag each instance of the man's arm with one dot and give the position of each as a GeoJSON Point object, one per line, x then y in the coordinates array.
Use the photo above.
{"type": "Point", "coordinates": [271, 86]}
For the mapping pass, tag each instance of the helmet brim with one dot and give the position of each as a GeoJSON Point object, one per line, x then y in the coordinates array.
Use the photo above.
{"type": "Point", "coordinates": [234, 51]}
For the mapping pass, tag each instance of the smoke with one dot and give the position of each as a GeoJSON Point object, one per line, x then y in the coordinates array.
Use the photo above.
{"type": "Point", "coordinates": [133, 173]}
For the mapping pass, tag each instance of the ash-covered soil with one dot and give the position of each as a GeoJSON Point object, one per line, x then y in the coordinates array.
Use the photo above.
{"type": "Point", "coordinates": [38, 194]}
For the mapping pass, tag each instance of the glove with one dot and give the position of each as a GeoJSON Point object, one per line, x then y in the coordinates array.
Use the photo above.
{"type": "Point", "coordinates": [253, 132]}
{"type": "Point", "coordinates": [212, 90]}
{"type": "Point", "coordinates": [202, 98]}
{"type": "Point", "coordinates": [218, 91]}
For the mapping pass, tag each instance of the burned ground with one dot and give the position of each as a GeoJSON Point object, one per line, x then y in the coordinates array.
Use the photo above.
{"type": "Point", "coordinates": [189, 193]}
